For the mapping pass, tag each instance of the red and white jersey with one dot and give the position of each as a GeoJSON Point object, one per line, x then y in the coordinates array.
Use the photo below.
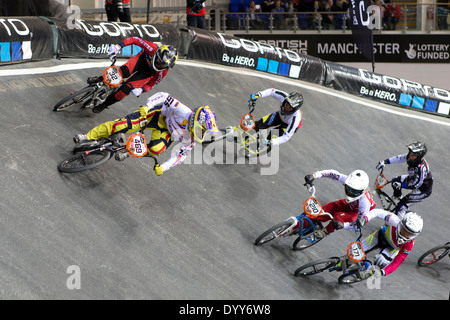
{"type": "Point", "coordinates": [176, 115]}
{"type": "Point", "coordinates": [361, 206]}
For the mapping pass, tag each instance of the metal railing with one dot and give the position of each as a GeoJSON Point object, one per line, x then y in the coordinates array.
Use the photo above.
{"type": "Point", "coordinates": [415, 17]}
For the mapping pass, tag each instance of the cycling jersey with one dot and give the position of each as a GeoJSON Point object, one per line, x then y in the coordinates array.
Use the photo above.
{"type": "Point", "coordinates": [361, 206]}
{"type": "Point", "coordinates": [176, 116]}
{"type": "Point", "coordinates": [394, 251]}
{"type": "Point", "coordinates": [290, 122]}
{"type": "Point", "coordinates": [418, 177]}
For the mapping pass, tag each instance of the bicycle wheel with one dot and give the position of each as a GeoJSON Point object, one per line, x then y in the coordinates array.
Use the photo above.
{"type": "Point", "coordinates": [224, 133]}
{"type": "Point", "coordinates": [351, 276]}
{"type": "Point", "coordinates": [82, 161]}
{"type": "Point", "coordinates": [434, 255]}
{"type": "Point", "coordinates": [74, 98]}
{"type": "Point", "coordinates": [273, 232]}
{"type": "Point", "coordinates": [316, 267]}
{"type": "Point", "coordinates": [305, 241]}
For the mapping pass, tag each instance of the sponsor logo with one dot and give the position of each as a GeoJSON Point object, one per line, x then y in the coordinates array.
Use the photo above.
{"type": "Point", "coordinates": [14, 26]}
{"type": "Point", "coordinates": [428, 51]}
{"type": "Point", "coordinates": [405, 85]}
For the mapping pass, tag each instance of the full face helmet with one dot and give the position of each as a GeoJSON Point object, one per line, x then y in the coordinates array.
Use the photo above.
{"type": "Point", "coordinates": [417, 148]}
{"type": "Point", "coordinates": [356, 184]}
{"type": "Point", "coordinates": [409, 227]}
{"type": "Point", "coordinates": [295, 100]}
{"type": "Point", "coordinates": [164, 58]}
{"type": "Point", "coordinates": [202, 120]}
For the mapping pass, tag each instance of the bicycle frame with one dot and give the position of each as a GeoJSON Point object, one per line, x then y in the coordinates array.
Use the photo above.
{"type": "Point", "coordinates": [387, 202]}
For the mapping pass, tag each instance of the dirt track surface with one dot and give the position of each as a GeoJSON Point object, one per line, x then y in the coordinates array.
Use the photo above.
{"type": "Point", "coordinates": [189, 233]}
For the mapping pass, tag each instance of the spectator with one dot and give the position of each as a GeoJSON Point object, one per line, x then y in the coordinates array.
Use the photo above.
{"type": "Point", "coordinates": [443, 16]}
{"type": "Point", "coordinates": [118, 9]}
{"type": "Point", "coordinates": [267, 6]}
{"type": "Point", "coordinates": [253, 10]}
{"type": "Point", "coordinates": [195, 13]}
{"type": "Point", "coordinates": [329, 20]}
{"type": "Point", "coordinates": [278, 17]}
{"type": "Point", "coordinates": [393, 13]}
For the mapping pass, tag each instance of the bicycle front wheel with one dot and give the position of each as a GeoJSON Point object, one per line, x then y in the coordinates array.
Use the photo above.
{"type": "Point", "coordinates": [304, 242]}
{"type": "Point", "coordinates": [74, 98]}
{"type": "Point", "coordinates": [434, 255]}
{"type": "Point", "coordinates": [273, 232]}
{"type": "Point", "coordinates": [82, 161]}
{"type": "Point", "coordinates": [316, 267]}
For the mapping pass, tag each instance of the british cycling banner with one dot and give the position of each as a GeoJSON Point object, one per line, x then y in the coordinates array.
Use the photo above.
{"type": "Point", "coordinates": [232, 51]}
{"type": "Point", "coordinates": [25, 39]}
{"type": "Point", "coordinates": [82, 38]}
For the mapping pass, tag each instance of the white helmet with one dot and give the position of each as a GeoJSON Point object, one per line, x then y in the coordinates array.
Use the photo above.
{"type": "Point", "coordinates": [409, 227]}
{"type": "Point", "coordinates": [355, 185]}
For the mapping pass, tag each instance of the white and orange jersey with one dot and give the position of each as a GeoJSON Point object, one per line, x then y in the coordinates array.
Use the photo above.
{"type": "Point", "coordinates": [363, 205]}
{"type": "Point", "coordinates": [176, 116]}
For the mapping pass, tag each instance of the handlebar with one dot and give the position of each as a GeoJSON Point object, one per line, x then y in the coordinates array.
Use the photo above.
{"type": "Point", "coordinates": [113, 59]}
{"type": "Point", "coordinates": [251, 105]}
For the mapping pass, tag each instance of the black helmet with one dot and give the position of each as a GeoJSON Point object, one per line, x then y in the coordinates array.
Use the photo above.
{"type": "Point", "coordinates": [295, 100]}
{"type": "Point", "coordinates": [164, 58]}
{"type": "Point", "coordinates": [419, 149]}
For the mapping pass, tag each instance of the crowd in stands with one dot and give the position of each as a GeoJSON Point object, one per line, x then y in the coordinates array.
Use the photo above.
{"type": "Point", "coordinates": [309, 14]}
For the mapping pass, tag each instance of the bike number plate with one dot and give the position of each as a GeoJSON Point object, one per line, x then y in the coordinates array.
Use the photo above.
{"type": "Point", "coordinates": [312, 207]}
{"type": "Point", "coordinates": [112, 76]}
{"type": "Point", "coordinates": [380, 181]}
{"type": "Point", "coordinates": [136, 145]}
{"type": "Point", "coordinates": [355, 252]}
{"type": "Point", "coordinates": [247, 122]}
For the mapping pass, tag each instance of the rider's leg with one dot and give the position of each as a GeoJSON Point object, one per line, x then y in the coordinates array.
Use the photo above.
{"type": "Point", "coordinates": [341, 211]}
{"type": "Point", "coordinates": [159, 142]}
{"type": "Point", "coordinates": [407, 201]}
{"type": "Point", "coordinates": [130, 123]}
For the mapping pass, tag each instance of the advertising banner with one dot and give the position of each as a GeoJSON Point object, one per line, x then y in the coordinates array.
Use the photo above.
{"type": "Point", "coordinates": [359, 21]}
{"type": "Point", "coordinates": [25, 39]}
{"type": "Point", "coordinates": [232, 51]}
{"type": "Point", "coordinates": [91, 39]}
{"type": "Point", "coordinates": [388, 89]}
{"type": "Point", "coordinates": [415, 48]}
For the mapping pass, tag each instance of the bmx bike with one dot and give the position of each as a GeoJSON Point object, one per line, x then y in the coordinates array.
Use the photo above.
{"type": "Point", "coordinates": [95, 93]}
{"type": "Point", "coordinates": [94, 153]}
{"type": "Point", "coordinates": [250, 144]}
{"type": "Point", "coordinates": [294, 226]}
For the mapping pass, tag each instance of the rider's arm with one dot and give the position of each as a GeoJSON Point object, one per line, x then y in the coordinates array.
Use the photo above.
{"type": "Point", "coordinates": [389, 217]}
{"type": "Point", "coordinates": [290, 130]}
{"type": "Point", "coordinates": [178, 156]}
{"type": "Point", "coordinates": [401, 158]}
{"type": "Point", "coordinates": [275, 93]}
{"type": "Point", "coordinates": [399, 258]}
{"type": "Point", "coordinates": [147, 46]}
{"type": "Point", "coordinates": [154, 81]}
{"type": "Point", "coordinates": [331, 174]}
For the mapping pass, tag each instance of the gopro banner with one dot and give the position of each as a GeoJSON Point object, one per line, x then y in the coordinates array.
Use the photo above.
{"type": "Point", "coordinates": [232, 51]}
{"type": "Point", "coordinates": [388, 89]}
{"type": "Point", "coordinates": [91, 39]}
{"type": "Point", "coordinates": [25, 39]}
